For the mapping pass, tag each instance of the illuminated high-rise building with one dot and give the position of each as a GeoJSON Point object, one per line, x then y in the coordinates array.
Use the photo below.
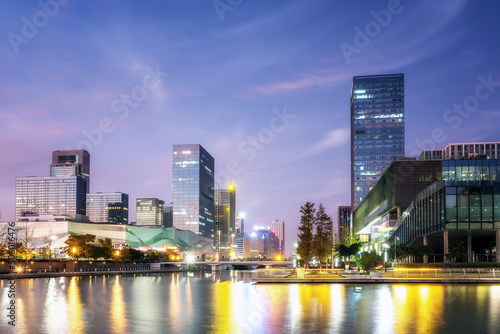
{"type": "Point", "coordinates": [193, 190]}
{"type": "Point", "coordinates": [111, 208]}
{"type": "Point", "coordinates": [278, 227]}
{"type": "Point", "coordinates": [377, 129]}
{"type": "Point", "coordinates": [149, 212]}
{"type": "Point", "coordinates": [225, 216]}
{"type": "Point", "coordinates": [71, 162]}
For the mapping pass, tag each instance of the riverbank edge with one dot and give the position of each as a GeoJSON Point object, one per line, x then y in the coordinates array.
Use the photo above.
{"type": "Point", "coordinates": [377, 280]}
{"type": "Point", "coordinates": [88, 273]}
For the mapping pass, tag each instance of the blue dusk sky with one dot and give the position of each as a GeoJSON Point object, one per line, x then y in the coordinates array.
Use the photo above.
{"type": "Point", "coordinates": [264, 86]}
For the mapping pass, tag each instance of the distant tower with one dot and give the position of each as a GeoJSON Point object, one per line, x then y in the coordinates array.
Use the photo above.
{"type": "Point", "coordinates": [278, 226]}
{"type": "Point", "coordinates": [343, 220]}
{"type": "Point", "coordinates": [377, 129]}
{"type": "Point", "coordinates": [71, 162]}
{"type": "Point", "coordinates": [225, 216]}
{"type": "Point", "coordinates": [193, 190]}
{"type": "Point", "coordinates": [111, 208]}
{"type": "Point", "coordinates": [149, 212]}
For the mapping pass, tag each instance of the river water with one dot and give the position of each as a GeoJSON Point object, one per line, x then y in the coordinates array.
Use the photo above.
{"type": "Point", "coordinates": [227, 302]}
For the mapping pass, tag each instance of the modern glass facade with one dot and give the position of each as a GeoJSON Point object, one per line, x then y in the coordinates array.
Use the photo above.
{"type": "Point", "coordinates": [377, 129]}
{"type": "Point", "coordinates": [344, 219]}
{"type": "Point", "coordinates": [149, 212]}
{"type": "Point", "coordinates": [109, 208]}
{"type": "Point", "coordinates": [71, 162]}
{"type": "Point", "coordinates": [193, 190]}
{"type": "Point", "coordinates": [225, 216]}
{"type": "Point", "coordinates": [46, 195]}
{"type": "Point", "coordinates": [168, 210]}
{"type": "Point", "coordinates": [467, 198]}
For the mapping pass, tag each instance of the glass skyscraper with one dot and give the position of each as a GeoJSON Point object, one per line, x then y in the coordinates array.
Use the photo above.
{"type": "Point", "coordinates": [149, 212]}
{"type": "Point", "coordinates": [193, 190]}
{"type": "Point", "coordinates": [109, 208]}
{"type": "Point", "coordinates": [47, 195]}
{"type": "Point", "coordinates": [377, 129]}
{"type": "Point", "coordinates": [71, 162]}
{"type": "Point", "coordinates": [225, 216]}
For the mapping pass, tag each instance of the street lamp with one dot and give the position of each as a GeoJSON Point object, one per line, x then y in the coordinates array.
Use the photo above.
{"type": "Point", "coordinates": [385, 255]}
{"type": "Point", "coordinates": [395, 244]}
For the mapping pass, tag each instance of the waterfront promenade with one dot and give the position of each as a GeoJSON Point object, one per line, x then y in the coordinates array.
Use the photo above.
{"type": "Point", "coordinates": [431, 275]}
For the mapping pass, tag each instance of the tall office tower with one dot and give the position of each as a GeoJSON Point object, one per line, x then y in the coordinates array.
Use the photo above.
{"type": "Point", "coordinates": [225, 216]}
{"type": "Point", "coordinates": [71, 162]}
{"type": "Point", "coordinates": [168, 211]}
{"type": "Point", "coordinates": [377, 129]}
{"type": "Point", "coordinates": [149, 212]}
{"type": "Point", "coordinates": [193, 189]}
{"type": "Point", "coordinates": [278, 226]}
{"type": "Point", "coordinates": [48, 195]}
{"type": "Point", "coordinates": [111, 208]}
{"type": "Point", "coordinates": [243, 245]}
{"type": "Point", "coordinates": [239, 223]}
{"type": "Point", "coordinates": [343, 220]}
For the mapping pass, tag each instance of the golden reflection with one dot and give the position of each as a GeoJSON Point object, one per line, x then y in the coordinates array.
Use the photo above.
{"type": "Point", "coordinates": [75, 309]}
{"type": "Point", "coordinates": [174, 311]}
{"type": "Point", "coordinates": [418, 308]}
{"type": "Point", "coordinates": [337, 297]}
{"type": "Point", "coordinates": [494, 306]}
{"type": "Point", "coordinates": [118, 313]}
{"type": "Point", "coordinates": [222, 308]}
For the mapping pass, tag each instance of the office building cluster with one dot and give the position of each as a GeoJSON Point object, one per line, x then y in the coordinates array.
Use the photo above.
{"type": "Point", "coordinates": [446, 195]}
{"type": "Point", "coordinates": [198, 204]}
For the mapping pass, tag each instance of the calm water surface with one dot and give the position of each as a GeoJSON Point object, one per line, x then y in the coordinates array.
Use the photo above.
{"type": "Point", "coordinates": [229, 303]}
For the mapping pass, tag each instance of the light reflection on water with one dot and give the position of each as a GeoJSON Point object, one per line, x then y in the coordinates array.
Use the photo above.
{"type": "Point", "coordinates": [226, 302]}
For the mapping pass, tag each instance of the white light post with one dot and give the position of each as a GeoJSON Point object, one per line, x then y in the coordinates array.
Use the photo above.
{"type": "Point", "coordinates": [395, 245]}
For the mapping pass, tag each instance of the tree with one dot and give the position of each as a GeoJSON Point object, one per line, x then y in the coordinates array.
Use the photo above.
{"type": "Point", "coordinates": [347, 238]}
{"type": "Point", "coordinates": [305, 236]}
{"type": "Point", "coordinates": [130, 254]}
{"type": "Point", "coordinates": [425, 251]}
{"type": "Point", "coordinates": [79, 246]}
{"type": "Point", "coordinates": [323, 239]}
{"type": "Point", "coordinates": [107, 246]}
{"type": "Point", "coordinates": [457, 251]}
{"type": "Point", "coordinates": [25, 243]}
{"type": "Point", "coordinates": [368, 260]}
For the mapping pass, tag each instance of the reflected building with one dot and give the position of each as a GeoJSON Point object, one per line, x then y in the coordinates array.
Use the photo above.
{"type": "Point", "coordinates": [193, 190]}
{"type": "Point", "coordinates": [149, 212]}
{"type": "Point", "coordinates": [377, 129]}
{"type": "Point", "coordinates": [109, 208]}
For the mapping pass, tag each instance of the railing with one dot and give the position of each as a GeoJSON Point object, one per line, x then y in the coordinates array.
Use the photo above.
{"type": "Point", "coordinates": [453, 273]}
{"type": "Point", "coordinates": [297, 273]}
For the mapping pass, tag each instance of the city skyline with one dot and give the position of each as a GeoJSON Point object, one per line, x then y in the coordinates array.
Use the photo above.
{"type": "Point", "coordinates": [219, 94]}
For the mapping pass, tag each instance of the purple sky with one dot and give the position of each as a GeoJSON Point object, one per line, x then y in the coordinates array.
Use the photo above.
{"type": "Point", "coordinates": [65, 73]}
